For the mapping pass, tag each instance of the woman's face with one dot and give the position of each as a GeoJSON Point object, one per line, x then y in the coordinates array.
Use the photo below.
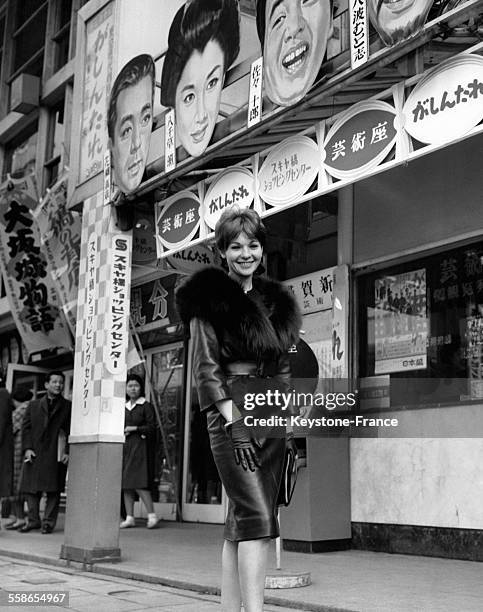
{"type": "Point", "coordinates": [133, 390]}
{"type": "Point", "coordinates": [198, 96]}
{"type": "Point", "coordinates": [243, 256]}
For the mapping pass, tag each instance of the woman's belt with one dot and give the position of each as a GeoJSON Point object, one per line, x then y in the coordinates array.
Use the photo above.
{"type": "Point", "coordinates": [242, 368]}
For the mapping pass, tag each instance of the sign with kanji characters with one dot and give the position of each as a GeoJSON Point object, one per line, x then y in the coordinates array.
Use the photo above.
{"type": "Point", "coordinates": [313, 292]}
{"type": "Point", "coordinates": [400, 322]}
{"type": "Point", "coordinates": [153, 305]}
{"type": "Point", "coordinates": [360, 139]}
{"type": "Point", "coordinates": [90, 322]}
{"type": "Point", "coordinates": [60, 239]}
{"type": "Point", "coordinates": [117, 319]}
{"type": "Point", "coordinates": [255, 93]}
{"type": "Point", "coordinates": [177, 220]}
{"type": "Point", "coordinates": [98, 61]}
{"type": "Point", "coordinates": [170, 141]}
{"type": "Point", "coordinates": [358, 28]}
{"type": "Point", "coordinates": [33, 299]}
{"type": "Point", "coordinates": [107, 183]}
{"type": "Point", "coordinates": [233, 186]}
{"type": "Point", "coordinates": [288, 170]}
{"type": "Point", "coordinates": [191, 259]}
{"type": "Point", "coordinates": [446, 103]}
{"type": "Point", "coordinates": [144, 243]}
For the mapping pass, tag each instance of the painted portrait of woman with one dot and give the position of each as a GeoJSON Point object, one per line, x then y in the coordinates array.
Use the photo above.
{"type": "Point", "coordinates": [395, 21]}
{"type": "Point", "coordinates": [203, 42]}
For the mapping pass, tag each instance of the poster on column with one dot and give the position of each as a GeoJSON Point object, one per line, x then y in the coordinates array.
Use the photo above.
{"type": "Point", "coordinates": [60, 232]}
{"type": "Point", "coordinates": [400, 322]}
{"type": "Point", "coordinates": [31, 294]}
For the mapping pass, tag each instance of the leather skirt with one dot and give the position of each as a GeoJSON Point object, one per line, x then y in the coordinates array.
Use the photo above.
{"type": "Point", "coordinates": [252, 507]}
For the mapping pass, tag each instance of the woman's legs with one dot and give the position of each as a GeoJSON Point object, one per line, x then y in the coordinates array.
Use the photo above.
{"type": "Point", "coordinates": [147, 500]}
{"type": "Point", "coordinates": [230, 584]}
{"type": "Point", "coordinates": [252, 567]}
{"type": "Point", "coordinates": [129, 501]}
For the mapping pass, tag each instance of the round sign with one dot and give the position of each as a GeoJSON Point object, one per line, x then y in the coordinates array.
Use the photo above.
{"type": "Point", "coordinates": [446, 103]}
{"type": "Point", "coordinates": [191, 259]}
{"type": "Point", "coordinates": [360, 140]}
{"type": "Point", "coordinates": [233, 186]}
{"type": "Point", "coordinates": [288, 171]}
{"type": "Point", "coordinates": [178, 221]}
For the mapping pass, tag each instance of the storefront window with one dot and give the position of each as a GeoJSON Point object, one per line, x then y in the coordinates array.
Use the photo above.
{"type": "Point", "coordinates": [421, 325]}
{"type": "Point", "coordinates": [20, 156]}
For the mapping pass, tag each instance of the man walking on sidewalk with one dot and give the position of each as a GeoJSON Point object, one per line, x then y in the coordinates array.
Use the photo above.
{"type": "Point", "coordinates": [45, 429]}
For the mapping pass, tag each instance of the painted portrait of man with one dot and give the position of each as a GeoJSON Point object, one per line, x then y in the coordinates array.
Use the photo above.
{"type": "Point", "coordinates": [396, 20]}
{"type": "Point", "coordinates": [130, 121]}
{"type": "Point", "coordinates": [294, 36]}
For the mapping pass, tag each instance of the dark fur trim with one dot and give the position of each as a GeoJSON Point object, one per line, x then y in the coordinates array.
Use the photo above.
{"type": "Point", "coordinates": [213, 296]}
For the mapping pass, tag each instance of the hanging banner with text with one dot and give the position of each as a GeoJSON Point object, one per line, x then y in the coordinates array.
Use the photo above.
{"type": "Point", "coordinates": [60, 231]}
{"type": "Point", "coordinates": [31, 294]}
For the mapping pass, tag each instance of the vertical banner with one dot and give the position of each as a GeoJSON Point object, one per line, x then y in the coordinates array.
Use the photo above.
{"type": "Point", "coordinates": [107, 177]}
{"type": "Point", "coordinates": [169, 142]}
{"type": "Point", "coordinates": [358, 32]}
{"type": "Point", "coordinates": [60, 232]}
{"type": "Point", "coordinates": [400, 322]}
{"type": "Point", "coordinates": [117, 318]}
{"type": "Point", "coordinates": [255, 93]}
{"type": "Point", "coordinates": [340, 323]}
{"type": "Point", "coordinates": [31, 294]}
{"type": "Point", "coordinates": [98, 61]}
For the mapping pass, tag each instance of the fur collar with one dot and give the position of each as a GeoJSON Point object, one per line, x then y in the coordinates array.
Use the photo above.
{"type": "Point", "coordinates": [213, 296]}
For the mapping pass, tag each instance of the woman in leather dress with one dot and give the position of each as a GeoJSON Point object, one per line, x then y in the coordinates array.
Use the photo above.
{"type": "Point", "coordinates": [242, 327]}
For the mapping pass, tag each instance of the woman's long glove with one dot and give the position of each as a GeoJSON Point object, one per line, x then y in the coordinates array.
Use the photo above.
{"type": "Point", "coordinates": [291, 444]}
{"type": "Point", "coordinates": [243, 445]}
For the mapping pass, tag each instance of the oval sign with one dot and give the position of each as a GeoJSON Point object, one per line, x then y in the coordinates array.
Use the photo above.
{"type": "Point", "coordinates": [288, 171]}
{"type": "Point", "coordinates": [191, 259]}
{"type": "Point", "coordinates": [447, 102]}
{"type": "Point", "coordinates": [360, 139]}
{"type": "Point", "coordinates": [232, 186]}
{"type": "Point", "coordinates": [177, 222]}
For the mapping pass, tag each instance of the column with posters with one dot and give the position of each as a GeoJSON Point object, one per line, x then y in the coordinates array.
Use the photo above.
{"type": "Point", "coordinates": [32, 297]}
{"type": "Point", "coordinates": [400, 322]}
{"type": "Point", "coordinates": [60, 231]}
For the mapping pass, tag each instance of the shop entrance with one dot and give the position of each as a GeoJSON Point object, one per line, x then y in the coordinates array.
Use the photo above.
{"type": "Point", "coordinates": [32, 377]}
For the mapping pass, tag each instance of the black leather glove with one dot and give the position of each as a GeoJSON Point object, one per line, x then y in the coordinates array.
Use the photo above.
{"type": "Point", "coordinates": [291, 444]}
{"type": "Point", "coordinates": [243, 445]}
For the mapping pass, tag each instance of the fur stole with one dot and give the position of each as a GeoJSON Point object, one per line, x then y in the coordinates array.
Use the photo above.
{"type": "Point", "coordinates": [213, 296]}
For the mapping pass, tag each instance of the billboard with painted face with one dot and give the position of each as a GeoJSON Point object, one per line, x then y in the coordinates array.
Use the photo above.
{"type": "Point", "coordinates": [130, 121]}
{"type": "Point", "coordinates": [395, 20]}
{"type": "Point", "coordinates": [203, 42]}
{"type": "Point", "coordinates": [294, 36]}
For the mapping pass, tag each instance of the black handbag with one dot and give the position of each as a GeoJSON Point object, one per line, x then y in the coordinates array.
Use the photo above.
{"type": "Point", "coordinates": [289, 476]}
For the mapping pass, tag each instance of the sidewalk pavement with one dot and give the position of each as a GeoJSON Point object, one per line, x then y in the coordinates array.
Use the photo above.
{"type": "Point", "coordinates": [187, 556]}
{"type": "Point", "coordinates": [87, 592]}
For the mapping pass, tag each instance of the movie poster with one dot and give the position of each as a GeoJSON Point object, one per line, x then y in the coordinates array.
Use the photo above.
{"type": "Point", "coordinates": [400, 322]}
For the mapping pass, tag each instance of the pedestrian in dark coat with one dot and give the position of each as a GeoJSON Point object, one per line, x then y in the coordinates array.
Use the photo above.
{"type": "Point", "coordinates": [21, 397]}
{"type": "Point", "coordinates": [45, 429]}
{"type": "Point", "coordinates": [242, 327]}
{"type": "Point", "coordinates": [6, 444]}
{"type": "Point", "coordinates": [137, 473]}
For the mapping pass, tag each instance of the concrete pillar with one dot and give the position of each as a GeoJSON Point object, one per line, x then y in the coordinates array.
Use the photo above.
{"type": "Point", "coordinates": [97, 431]}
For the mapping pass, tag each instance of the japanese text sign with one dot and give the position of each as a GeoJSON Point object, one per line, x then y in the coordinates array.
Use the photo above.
{"type": "Point", "coordinates": [233, 186]}
{"type": "Point", "coordinates": [255, 93]}
{"type": "Point", "coordinates": [118, 309]}
{"type": "Point", "coordinates": [153, 305]}
{"type": "Point", "coordinates": [177, 221]}
{"type": "Point", "coordinates": [60, 231]}
{"type": "Point", "coordinates": [169, 141]}
{"type": "Point", "coordinates": [313, 292]}
{"type": "Point", "coordinates": [448, 102]}
{"type": "Point", "coordinates": [360, 139]}
{"type": "Point", "coordinates": [30, 291]}
{"type": "Point", "coordinates": [288, 170]}
{"type": "Point", "coordinates": [358, 28]}
{"type": "Point", "coordinates": [191, 259]}
{"type": "Point", "coordinates": [98, 61]}
{"type": "Point", "coordinates": [90, 321]}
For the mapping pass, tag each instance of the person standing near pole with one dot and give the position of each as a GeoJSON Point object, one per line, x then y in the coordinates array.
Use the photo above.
{"type": "Point", "coordinates": [242, 327]}
{"type": "Point", "coordinates": [45, 429]}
